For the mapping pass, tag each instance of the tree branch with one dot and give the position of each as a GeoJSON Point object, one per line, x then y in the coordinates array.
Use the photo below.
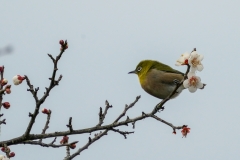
{"type": "Point", "coordinates": [53, 83]}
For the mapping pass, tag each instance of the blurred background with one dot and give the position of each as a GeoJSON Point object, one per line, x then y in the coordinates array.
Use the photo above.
{"type": "Point", "coordinates": [107, 39]}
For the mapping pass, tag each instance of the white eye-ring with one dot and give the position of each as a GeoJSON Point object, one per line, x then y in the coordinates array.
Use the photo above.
{"type": "Point", "coordinates": [139, 69]}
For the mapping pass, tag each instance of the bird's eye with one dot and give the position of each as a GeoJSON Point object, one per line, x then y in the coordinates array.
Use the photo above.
{"type": "Point", "coordinates": [139, 69]}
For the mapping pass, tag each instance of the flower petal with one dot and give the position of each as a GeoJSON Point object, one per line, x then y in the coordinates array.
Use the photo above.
{"type": "Point", "coordinates": [198, 78]}
{"type": "Point", "coordinates": [200, 67]}
{"type": "Point", "coordinates": [183, 60]}
{"type": "Point", "coordinates": [178, 64]}
{"type": "Point", "coordinates": [186, 55]}
{"type": "Point", "coordinates": [193, 69]}
{"type": "Point", "coordinates": [200, 57]}
{"type": "Point", "coordinates": [180, 60]}
{"type": "Point", "coordinates": [192, 89]}
{"type": "Point", "coordinates": [194, 54]}
{"type": "Point", "coordinates": [190, 74]}
{"type": "Point", "coordinates": [200, 85]}
{"type": "Point", "coordinates": [186, 83]}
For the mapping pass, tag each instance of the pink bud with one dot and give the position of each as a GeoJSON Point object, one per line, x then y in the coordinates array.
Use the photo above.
{"type": "Point", "coordinates": [64, 140]}
{"type": "Point", "coordinates": [1, 68]}
{"type": "Point", "coordinates": [45, 111]}
{"type": "Point", "coordinates": [20, 78]}
{"type": "Point", "coordinates": [12, 154]}
{"type": "Point", "coordinates": [8, 90]}
{"type": "Point", "coordinates": [5, 149]}
{"type": "Point", "coordinates": [8, 86]}
{"type": "Point", "coordinates": [72, 146]}
{"type": "Point", "coordinates": [6, 105]}
{"type": "Point", "coordinates": [61, 42]}
{"type": "Point", "coordinates": [4, 82]}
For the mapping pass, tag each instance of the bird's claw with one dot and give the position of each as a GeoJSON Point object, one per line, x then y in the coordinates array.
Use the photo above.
{"type": "Point", "coordinates": [176, 81]}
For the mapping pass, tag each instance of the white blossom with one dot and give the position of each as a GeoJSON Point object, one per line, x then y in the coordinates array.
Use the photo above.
{"type": "Point", "coordinates": [193, 82]}
{"type": "Point", "coordinates": [183, 60]}
{"type": "Point", "coordinates": [195, 61]}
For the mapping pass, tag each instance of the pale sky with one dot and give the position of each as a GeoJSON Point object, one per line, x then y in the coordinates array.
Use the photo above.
{"type": "Point", "coordinates": [107, 39]}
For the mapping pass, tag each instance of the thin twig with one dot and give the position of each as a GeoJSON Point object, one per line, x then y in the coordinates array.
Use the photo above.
{"type": "Point", "coordinates": [47, 145]}
{"type": "Point", "coordinates": [103, 115]}
{"type": "Point", "coordinates": [127, 107]}
{"type": "Point", "coordinates": [3, 121]}
{"type": "Point", "coordinates": [167, 123]}
{"type": "Point", "coordinates": [31, 88]}
{"type": "Point", "coordinates": [1, 87]}
{"type": "Point", "coordinates": [90, 141]}
{"type": "Point", "coordinates": [125, 133]}
{"type": "Point", "coordinates": [46, 124]}
{"type": "Point", "coordinates": [69, 125]}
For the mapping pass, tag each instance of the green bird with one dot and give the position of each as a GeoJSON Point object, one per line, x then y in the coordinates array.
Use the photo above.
{"type": "Point", "coordinates": [158, 79]}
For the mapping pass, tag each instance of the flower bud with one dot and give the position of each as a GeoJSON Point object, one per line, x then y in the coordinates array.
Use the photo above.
{"type": "Point", "coordinates": [73, 145]}
{"type": "Point", "coordinates": [1, 68]}
{"type": "Point", "coordinates": [5, 149]}
{"type": "Point", "coordinates": [45, 111]}
{"type": "Point", "coordinates": [64, 140]}
{"type": "Point", "coordinates": [61, 42]}
{"type": "Point", "coordinates": [18, 79]}
{"type": "Point", "coordinates": [185, 131]}
{"type": "Point", "coordinates": [8, 90]}
{"type": "Point", "coordinates": [6, 105]}
{"type": "Point", "coordinates": [12, 154]}
{"type": "Point", "coordinates": [4, 82]}
{"type": "Point", "coordinates": [8, 86]}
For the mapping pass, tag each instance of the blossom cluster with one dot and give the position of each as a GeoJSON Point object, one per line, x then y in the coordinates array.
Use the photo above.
{"type": "Point", "coordinates": [16, 80]}
{"type": "Point", "coordinates": [193, 82]}
{"type": "Point", "coordinates": [193, 59]}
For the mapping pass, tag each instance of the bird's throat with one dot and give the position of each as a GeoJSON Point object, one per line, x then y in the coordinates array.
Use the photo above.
{"type": "Point", "coordinates": [142, 79]}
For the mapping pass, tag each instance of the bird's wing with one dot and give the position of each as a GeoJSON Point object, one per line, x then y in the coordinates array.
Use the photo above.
{"type": "Point", "coordinates": [171, 78]}
{"type": "Point", "coordinates": [163, 67]}
{"type": "Point", "coordinates": [174, 71]}
{"type": "Point", "coordinates": [166, 77]}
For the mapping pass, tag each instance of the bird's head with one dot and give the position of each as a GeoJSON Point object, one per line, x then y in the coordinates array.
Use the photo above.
{"type": "Point", "coordinates": [143, 67]}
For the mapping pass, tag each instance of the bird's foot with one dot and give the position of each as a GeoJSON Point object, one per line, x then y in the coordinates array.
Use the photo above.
{"type": "Point", "coordinates": [159, 109]}
{"type": "Point", "coordinates": [176, 81]}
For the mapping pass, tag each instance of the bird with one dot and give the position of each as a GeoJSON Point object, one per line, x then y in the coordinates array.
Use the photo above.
{"type": "Point", "coordinates": [158, 79]}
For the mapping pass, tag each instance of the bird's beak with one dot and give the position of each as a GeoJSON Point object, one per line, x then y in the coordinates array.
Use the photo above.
{"type": "Point", "coordinates": [132, 72]}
